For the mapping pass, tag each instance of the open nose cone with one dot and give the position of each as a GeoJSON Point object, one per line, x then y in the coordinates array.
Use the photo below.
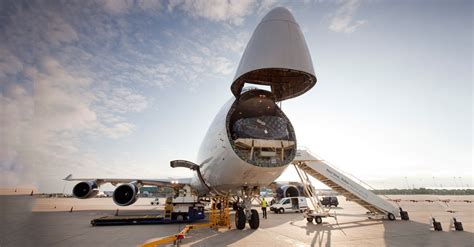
{"type": "Point", "coordinates": [276, 55]}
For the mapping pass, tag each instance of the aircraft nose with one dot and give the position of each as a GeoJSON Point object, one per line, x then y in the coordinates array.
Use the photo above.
{"type": "Point", "coordinates": [276, 55]}
{"type": "Point", "coordinates": [279, 13]}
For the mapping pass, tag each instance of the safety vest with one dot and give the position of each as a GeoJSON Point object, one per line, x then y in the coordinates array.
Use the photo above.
{"type": "Point", "coordinates": [264, 204]}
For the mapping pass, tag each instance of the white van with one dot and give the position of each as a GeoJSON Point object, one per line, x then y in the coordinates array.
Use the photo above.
{"type": "Point", "coordinates": [289, 204]}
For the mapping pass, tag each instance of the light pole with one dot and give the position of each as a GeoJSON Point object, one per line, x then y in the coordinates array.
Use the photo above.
{"type": "Point", "coordinates": [460, 180]}
{"type": "Point", "coordinates": [434, 181]}
{"type": "Point", "coordinates": [408, 185]}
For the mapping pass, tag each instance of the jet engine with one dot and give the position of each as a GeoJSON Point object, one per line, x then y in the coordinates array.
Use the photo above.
{"type": "Point", "coordinates": [85, 190]}
{"type": "Point", "coordinates": [288, 191]}
{"type": "Point", "coordinates": [126, 194]}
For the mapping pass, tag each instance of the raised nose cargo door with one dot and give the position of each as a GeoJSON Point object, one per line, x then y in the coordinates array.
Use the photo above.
{"type": "Point", "coordinates": [277, 56]}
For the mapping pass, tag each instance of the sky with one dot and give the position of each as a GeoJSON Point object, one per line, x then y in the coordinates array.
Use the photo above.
{"type": "Point", "coordinates": [118, 88]}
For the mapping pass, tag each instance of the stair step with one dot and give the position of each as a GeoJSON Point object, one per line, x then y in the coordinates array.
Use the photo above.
{"type": "Point", "coordinates": [334, 186]}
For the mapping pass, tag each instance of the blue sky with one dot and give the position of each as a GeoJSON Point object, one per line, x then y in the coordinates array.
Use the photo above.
{"type": "Point", "coordinates": [119, 88]}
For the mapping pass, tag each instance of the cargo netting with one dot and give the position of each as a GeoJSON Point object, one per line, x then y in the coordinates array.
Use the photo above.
{"type": "Point", "coordinates": [263, 127]}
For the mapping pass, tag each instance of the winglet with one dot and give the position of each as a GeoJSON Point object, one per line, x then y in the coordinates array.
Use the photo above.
{"type": "Point", "coordinates": [68, 177]}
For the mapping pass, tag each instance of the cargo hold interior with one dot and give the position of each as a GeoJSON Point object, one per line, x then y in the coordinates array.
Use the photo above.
{"type": "Point", "coordinates": [259, 132]}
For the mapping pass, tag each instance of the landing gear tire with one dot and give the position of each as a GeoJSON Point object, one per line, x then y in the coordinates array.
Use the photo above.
{"type": "Point", "coordinates": [391, 217]}
{"type": "Point", "coordinates": [309, 220]}
{"type": "Point", "coordinates": [254, 221]}
{"type": "Point", "coordinates": [240, 219]}
{"type": "Point", "coordinates": [318, 220]}
{"type": "Point", "coordinates": [179, 218]}
{"type": "Point", "coordinates": [281, 210]}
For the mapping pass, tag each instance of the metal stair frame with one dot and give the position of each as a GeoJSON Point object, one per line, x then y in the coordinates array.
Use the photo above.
{"type": "Point", "coordinates": [310, 165]}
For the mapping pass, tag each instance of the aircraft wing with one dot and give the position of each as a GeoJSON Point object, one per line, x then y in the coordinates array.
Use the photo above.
{"type": "Point", "coordinates": [168, 182]}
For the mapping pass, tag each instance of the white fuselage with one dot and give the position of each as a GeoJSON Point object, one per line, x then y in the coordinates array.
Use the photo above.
{"type": "Point", "coordinates": [222, 169]}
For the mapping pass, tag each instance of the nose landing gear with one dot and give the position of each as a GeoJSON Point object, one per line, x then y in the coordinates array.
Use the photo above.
{"type": "Point", "coordinates": [245, 213]}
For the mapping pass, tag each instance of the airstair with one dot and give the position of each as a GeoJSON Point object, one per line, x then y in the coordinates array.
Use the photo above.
{"type": "Point", "coordinates": [337, 181]}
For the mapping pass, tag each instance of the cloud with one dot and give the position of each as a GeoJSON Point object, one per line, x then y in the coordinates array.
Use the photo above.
{"type": "Point", "coordinates": [16, 115]}
{"type": "Point", "coordinates": [122, 100]}
{"type": "Point", "coordinates": [343, 19]}
{"type": "Point", "coordinates": [221, 65]}
{"type": "Point", "coordinates": [9, 64]}
{"type": "Point", "coordinates": [120, 7]}
{"type": "Point", "coordinates": [117, 6]}
{"type": "Point", "coordinates": [60, 31]}
{"type": "Point", "coordinates": [119, 130]}
{"type": "Point", "coordinates": [231, 11]}
{"type": "Point", "coordinates": [46, 119]}
{"type": "Point", "coordinates": [234, 42]}
{"type": "Point", "coordinates": [53, 96]}
{"type": "Point", "coordinates": [67, 101]}
{"type": "Point", "coordinates": [150, 5]}
{"type": "Point", "coordinates": [73, 75]}
{"type": "Point", "coordinates": [62, 99]}
{"type": "Point", "coordinates": [265, 6]}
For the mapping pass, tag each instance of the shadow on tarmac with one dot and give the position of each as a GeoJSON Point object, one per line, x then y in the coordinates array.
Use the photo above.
{"type": "Point", "coordinates": [396, 233]}
{"type": "Point", "coordinates": [214, 238]}
{"type": "Point", "coordinates": [322, 232]}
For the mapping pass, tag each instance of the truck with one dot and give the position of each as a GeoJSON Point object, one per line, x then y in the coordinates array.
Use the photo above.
{"type": "Point", "coordinates": [329, 201]}
{"type": "Point", "coordinates": [289, 204]}
{"type": "Point", "coordinates": [184, 208]}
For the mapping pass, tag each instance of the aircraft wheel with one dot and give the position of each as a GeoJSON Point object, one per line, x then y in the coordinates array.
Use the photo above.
{"type": "Point", "coordinates": [309, 219]}
{"type": "Point", "coordinates": [391, 216]}
{"type": "Point", "coordinates": [281, 211]}
{"type": "Point", "coordinates": [240, 219]}
{"type": "Point", "coordinates": [254, 221]}
{"type": "Point", "coordinates": [318, 219]}
{"type": "Point", "coordinates": [179, 218]}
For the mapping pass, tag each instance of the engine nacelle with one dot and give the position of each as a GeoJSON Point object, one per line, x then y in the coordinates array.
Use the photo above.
{"type": "Point", "coordinates": [125, 194]}
{"type": "Point", "coordinates": [283, 189]}
{"type": "Point", "coordinates": [288, 191]}
{"type": "Point", "coordinates": [85, 189]}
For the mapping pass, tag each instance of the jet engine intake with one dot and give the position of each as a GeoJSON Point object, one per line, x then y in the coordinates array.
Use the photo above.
{"type": "Point", "coordinates": [85, 189]}
{"type": "Point", "coordinates": [287, 191]}
{"type": "Point", "coordinates": [126, 194]}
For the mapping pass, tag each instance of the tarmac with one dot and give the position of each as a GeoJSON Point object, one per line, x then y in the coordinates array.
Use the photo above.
{"type": "Point", "coordinates": [34, 221]}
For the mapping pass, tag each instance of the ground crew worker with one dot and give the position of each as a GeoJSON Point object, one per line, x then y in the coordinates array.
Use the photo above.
{"type": "Point", "coordinates": [168, 207]}
{"type": "Point", "coordinates": [213, 204]}
{"type": "Point", "coordinates": [264, 208]}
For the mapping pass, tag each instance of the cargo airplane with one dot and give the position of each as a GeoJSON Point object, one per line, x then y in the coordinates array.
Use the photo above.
{"type": "Point", "coordinates": [251, 141]}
